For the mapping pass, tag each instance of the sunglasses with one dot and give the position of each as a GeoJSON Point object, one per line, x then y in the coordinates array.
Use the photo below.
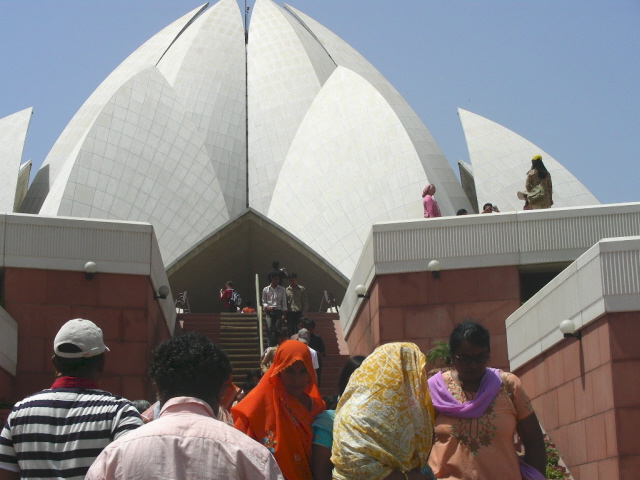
{"type": "Point", "coordinates": [478, 359]}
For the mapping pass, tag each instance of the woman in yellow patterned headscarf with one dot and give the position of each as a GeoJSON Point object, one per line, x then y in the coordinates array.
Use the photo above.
{"type": "Point", "coordinates": [383, 425]}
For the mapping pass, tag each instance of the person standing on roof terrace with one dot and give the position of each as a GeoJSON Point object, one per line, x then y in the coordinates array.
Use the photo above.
{"type": "Point", "coordinates": [430, 206]}
{"type": "Point", "coordinates": [538, 192]}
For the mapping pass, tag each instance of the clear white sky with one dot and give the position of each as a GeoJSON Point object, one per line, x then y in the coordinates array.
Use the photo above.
{"type": "Point", "coordinates": [564, 74]}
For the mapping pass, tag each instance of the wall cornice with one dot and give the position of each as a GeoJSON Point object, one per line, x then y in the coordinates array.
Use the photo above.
{"type": "Point", "coordinates": [475, 241]}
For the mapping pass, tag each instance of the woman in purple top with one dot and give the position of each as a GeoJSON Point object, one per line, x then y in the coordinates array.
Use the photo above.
{"type": "Point", "coordinates": [429, 204]}
{"type": "Point", "coordinates": [478, 410]}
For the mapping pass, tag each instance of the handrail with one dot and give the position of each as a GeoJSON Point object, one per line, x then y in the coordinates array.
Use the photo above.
{"type": "Point", "coordinates": [331, 302]}
{"type": "Point", "coordinates": [182, 302]}
{"type": "Point", "coordinates": [259, 313]}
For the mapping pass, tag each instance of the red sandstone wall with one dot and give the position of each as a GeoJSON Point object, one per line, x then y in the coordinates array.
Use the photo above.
{"type": "Point", "coordinates": [416, 307]}
{"type": "Point", "coordinates": [624, 340]}
{"type": "Point", "coordinates": [587, 396]}
{"type": "Point", "coordinates": [41, 301]}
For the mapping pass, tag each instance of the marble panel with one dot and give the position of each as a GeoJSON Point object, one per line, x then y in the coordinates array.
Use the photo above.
{"type": "Point", "coordinates": [13, 132]}
{"type": "Point", "coordinates": [278, 65]}
{"type": "Point", "coordinates": [434, 163]}
{"type": "Point", "coordinates": [321, 177]}
{"type": "Point", "coordinates": [501, 159]}
{"type": "Point", "coordinates": [63, 154]}
{"type": "Point", "coordinates": [173, 199]}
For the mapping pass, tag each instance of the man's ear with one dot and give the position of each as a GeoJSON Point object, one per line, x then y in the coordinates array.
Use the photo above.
{"type": "Point", "coordinates": [54, 362]}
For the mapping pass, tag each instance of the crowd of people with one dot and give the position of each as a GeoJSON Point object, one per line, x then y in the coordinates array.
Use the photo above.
{"type": "Point", "coordinates": [389, 421]}
{"type": "Point", "coordinates": [537, 194]}
{"type": "Point", "coordinates": [282, 306]}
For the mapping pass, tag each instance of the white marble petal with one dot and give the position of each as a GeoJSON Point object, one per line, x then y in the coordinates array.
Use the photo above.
{"type": "Point", "coordinates": [501, 159]}
{"type": "Point", "coordinates": [23, 184]}
{"type": "Point", "coordinates": [13, 132]}
{"type": "Point", "coordinates": [64, 152]}
{"type": "Point", "coordinates": [450, 195]}
{"type": "Point", "coordinates": [286, 69]}
{"type": "Point", "coordinates": [206, 67]}
{"type": "Point", "coordinates": [153, 166]}
{"type": "Point", "coordinates": [351, 164]}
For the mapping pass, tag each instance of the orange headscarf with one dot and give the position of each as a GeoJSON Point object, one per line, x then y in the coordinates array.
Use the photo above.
{"type": "Point", "coordinates": [277, 420]}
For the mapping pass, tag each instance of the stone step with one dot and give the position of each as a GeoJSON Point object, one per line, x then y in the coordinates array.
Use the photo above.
{"type": "Point", "coordinates": [236, 349]}
{"type": "Point", "coordinates": [242, 339]}
{"type": "Point", "coordinates": [240, 335]}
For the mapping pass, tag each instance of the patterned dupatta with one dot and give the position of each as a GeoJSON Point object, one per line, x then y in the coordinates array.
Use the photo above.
{"type": "Point", "coordinates": [444, 402]}
{"type": "Point", "coordinates": [384, 420]}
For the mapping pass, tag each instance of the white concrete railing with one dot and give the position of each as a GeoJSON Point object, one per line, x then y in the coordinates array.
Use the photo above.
{"type": "Point", "coordinates": [605, 279]}
{"type": "Point", "coordinates": [499, 239]}
{"type": "Point", "coordinates": [63, 243]}
{"type": "Point", "coordinates": [8, 342]}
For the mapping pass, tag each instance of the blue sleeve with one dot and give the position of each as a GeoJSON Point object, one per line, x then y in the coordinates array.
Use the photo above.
{"type": "Point", "coordinates": [322, 428]}
{"type": "Point", "coordinates": [322, 438]}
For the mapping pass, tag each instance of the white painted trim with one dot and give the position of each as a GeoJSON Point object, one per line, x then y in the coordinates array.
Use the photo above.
{"type": "Point", "coordinates": [8, 342]}
{"type": "Point", "coordinates": [605, 279]}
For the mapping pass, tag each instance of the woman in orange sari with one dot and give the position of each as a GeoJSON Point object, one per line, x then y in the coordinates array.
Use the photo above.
{"type": "Point", "coordinates": [279, 412]}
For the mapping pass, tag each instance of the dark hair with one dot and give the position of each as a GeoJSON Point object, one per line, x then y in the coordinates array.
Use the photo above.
{"type": "Point", "coordinates": [229, 284]}
{"type": "Point", "coordinates": [308, 323]}
{"type": "Point", "coordinates": [331, 401]}
{"type": "Point", "coordinates": [77, 367]}
{"type": "Point", "coordinates": [472, 332]}
{"type": "Point", "coordinates": [282, 334]}
{"type": "Point", "coordinates": [275, 264]}
{"type": "Point", "coordinates": [462, 211]}
{"type": "Point", "coordinates": [490, 205]}
{"type": "Point", "coordinates": [248, 385]}
{"type": "Point", "coordinates": [347, 370]}
{"type": "Point", "coordinates": [141, 405]}
{"type": "Point", "coordinates": [293, 275]}
{"type": "Point", "coordinates": [539, 167]}
{"type": "Point", "coordinates": [189, 365]}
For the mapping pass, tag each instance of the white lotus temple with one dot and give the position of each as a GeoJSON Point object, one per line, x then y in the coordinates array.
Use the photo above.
{"type": "Point", "coordinates": [209, 152]}
{"type": "Point", "coordinates": [197, 132]}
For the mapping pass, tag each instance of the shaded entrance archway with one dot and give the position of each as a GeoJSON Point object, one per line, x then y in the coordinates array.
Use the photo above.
{"type": "Point", "coordinates": [237, 251]}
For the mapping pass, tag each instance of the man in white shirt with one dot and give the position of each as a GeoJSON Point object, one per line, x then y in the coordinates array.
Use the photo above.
{"type": "Point", "coordinates": [303, 336]}
{"type": "Point", "coordinates": [274, 303]}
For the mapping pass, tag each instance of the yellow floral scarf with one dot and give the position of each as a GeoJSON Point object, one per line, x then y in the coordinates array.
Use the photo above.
{"type": "Point", "coordinates": [384, 421]}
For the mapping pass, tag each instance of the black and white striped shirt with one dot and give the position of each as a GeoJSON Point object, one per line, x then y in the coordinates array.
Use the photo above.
{"type": "Point", "coordinates": [58, 433]}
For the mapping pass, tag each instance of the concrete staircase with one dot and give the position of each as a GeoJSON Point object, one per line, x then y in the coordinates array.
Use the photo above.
{"type": "Point", "coordinates": [237, 334]}
{"type": "Point", "coordinates": [239, 338]}
{"type": "Point", "coordinates": [328, 328]}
